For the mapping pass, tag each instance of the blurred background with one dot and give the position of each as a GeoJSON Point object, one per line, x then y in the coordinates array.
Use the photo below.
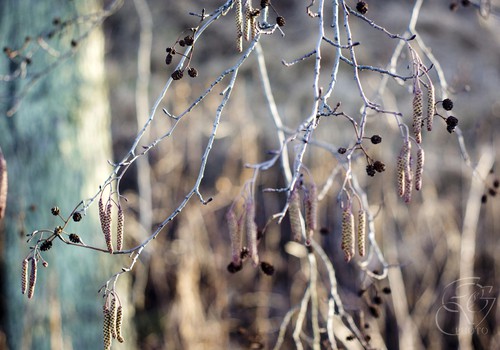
{"type": "Point", "coordinates": [87, 111]}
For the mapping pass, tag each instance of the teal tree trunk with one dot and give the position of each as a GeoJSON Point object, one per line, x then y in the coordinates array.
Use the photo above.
{"type": "Point", "coordinates": [56, 146]}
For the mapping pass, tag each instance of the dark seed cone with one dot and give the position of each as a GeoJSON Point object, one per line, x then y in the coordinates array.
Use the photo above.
{"type": "Point", "coordinates": [447, 104]}
{"type": "Point", "coordinates": [280, 21]}
{"type": "Point", "coordinates": [177, 74]}
{"type": "Point", "coordinates": [362, 7]}
{"type": "Point", "coordinates": [32, 281]}
{"type": "Point", "coordinates": [192, 72]}
{"type": "Point", "coordinates": [347, 234]}
{"type": "Point", "coordinates": [24, 276]}
{"type": "Point", "coordinates": [294, 213]}
{"type": "Point", "coordinates": [73, 237]}
{"type": "Point", "coordinates": [417, 115]}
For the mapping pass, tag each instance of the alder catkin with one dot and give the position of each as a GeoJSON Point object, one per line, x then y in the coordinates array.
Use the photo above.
{"type": "Point", "coordinates": [235, 235]}
{"type": "Point", "coordinates": [347, 234]}
{"type": "Point", "coordinates": [112, 317]}
{"type": "Point", "coordinates": [408, 173]}
{"type": "Point", "coordinates": [3, 185]}
{"type": "Point", "coordinates": [431, 101]}
{"type": "Point", "coordinates": [311, 208]}
{"type": "Point", "coordinates": [32, 281]}
{"type": "Point", "coordinates": [251, 228]}
{"type": "Point", "coordinates": [420, 169]}
{"type": "Point", "coordinates": [248, 21]}
{"type": "Point", "coordinates": [239, 25]}
{"type": "Point", "coordinates": [106, 228]}
{"type": "Point", "coordinates": [417, 115]}
{"type": "Point", "coordinates": [401, 175]}
{"type": "Point", "coordinates": [120, 221]}
{"type": "Point", "coordinates": [106, 328]}
{"type": "Point", "coordinates": [361, 232]}
{"type": "Point", "coordinates": [294, 213]}
{"type": "Point", "coordinates": [24, 276]}
{"type": "Point", "coordinates": [118, 326]}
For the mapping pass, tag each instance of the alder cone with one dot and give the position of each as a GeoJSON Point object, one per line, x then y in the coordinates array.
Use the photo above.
{"type": "Point", "coordinates": [3, 185]}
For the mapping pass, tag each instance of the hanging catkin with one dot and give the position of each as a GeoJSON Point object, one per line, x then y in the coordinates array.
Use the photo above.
{"type": "Point", "coordinates": [239, 25]}
{"type": "Point", "coordinates": [311, 208]}
{"type": "Point", "coordinates": [347, 234]}
{"type": "Point", "coordinates": [32, 281]}
{"type": "Point", "coordinates": [235, 236]}
{"type": "Point", "coordinates": [420, 169]}
{"type": "Point", "coordinates": [251, 228]}
{"type": "Point", "coordinates": [417, 115]}
{"type": "Point", "coordinates": [294, 213]}
{"type": "Point", "coordinates": [120, 222]}
{"type": "Point", "coordinates": [431, 101]}
{"type": "Point", "coordinates": [361, 232]}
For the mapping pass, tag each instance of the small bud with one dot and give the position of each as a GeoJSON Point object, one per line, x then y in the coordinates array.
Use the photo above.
{"type": "Point", "coordinates": [280, 21]}
{"type": "Point", "coordinates": [264, 3]}
{"type": "Point", "coordinates": [386, 290]}
{"type": "Point", "coordinates": [55, 211]}
{"type": "Point", "coordinates": [342, 150]}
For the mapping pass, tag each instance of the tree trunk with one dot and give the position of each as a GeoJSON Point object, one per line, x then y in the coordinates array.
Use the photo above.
{"type": "Point", "coordinates": [56, 146]}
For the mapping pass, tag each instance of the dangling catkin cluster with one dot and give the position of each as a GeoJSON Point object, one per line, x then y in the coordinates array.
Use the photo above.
{"type": "Point", "coordinates": [24, 276]}
{"type": "Point", "coordinates": [235, 235]}
{"type": "Point", "coordinates": [32, 281]}
{"type": "Point", "coordinates": [361, 232]}
{"type": "Point", "coordinates": [311, 207]}
{"type": "Point", "coordinates": [3, 185]}
{"type": "Point", "coordinates": [417, 115]}
{"type": "Point", "coordinates": [251, 228]}
{"type": "Point", "coordinates": [431, 101]}
{"type": "Point", "coordinates": [294, 213]}
{"type": "Point", "coordinates": [119, 228]}
{"type": "Point", "coordinates": [419, 170]}
{"type": "Point", "coordinates": [239, 25]}
{"type": "Point", "coordinates": [347, 234]}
